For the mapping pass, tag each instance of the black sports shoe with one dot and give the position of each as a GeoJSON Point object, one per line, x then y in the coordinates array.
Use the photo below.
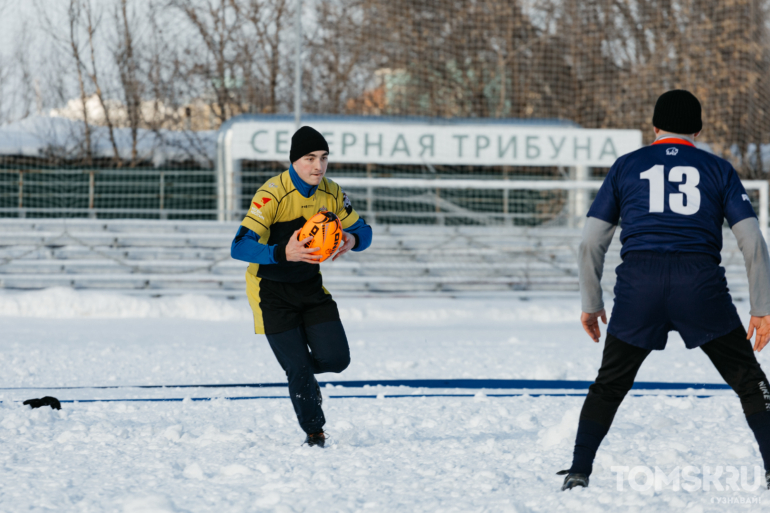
{"type": "Point", "coordinates": [573, 479]}
{"type": "Point", "coordinates": [318, 439]}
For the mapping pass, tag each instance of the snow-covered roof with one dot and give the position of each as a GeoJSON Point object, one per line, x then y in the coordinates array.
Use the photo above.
{"type": "Point", "coordinates": [39, 136]}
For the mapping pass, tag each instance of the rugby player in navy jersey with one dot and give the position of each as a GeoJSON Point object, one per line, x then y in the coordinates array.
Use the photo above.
{"type": "Point", "coordinates": [672, 199]}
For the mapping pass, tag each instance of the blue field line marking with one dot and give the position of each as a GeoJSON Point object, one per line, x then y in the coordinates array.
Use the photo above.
{"type": "Point", "coordinates": [470, 384]}
{"type": "Point", "coordinates": [394, 396]}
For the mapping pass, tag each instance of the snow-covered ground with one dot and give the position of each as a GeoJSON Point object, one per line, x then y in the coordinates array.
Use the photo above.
{"type": "Point", "coordinates": [481, 453]}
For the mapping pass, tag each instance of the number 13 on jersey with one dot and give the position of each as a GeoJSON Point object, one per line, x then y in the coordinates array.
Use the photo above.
{"type": "Point", "coordinates": [686, 202]}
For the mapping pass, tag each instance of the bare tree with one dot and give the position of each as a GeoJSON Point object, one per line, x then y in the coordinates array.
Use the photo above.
{"type": "Point", "coordinates": [5, 74]}
{"type": "Point", "coordinates": [4, 78]}
{"type": "Point", "coordinates": [238, 56]}
{"type": "Point", "coordinates": [262, 56]}
{"type": "Point", "coordinates": [218, 28]}
{"type": "Point", "coordinates": [172, 82]}
{"type": "Point", "coordinates": [597, 63]}
{"type": "Point", "coordinates": [626, 52]}
{"type": "Point", "coordinates": [91, 27]}
{"type": "Point", "coordinates": [69, 44]}
{"type": "Point", "coordinates": [73, 18]}
{"type": "Point", "coordinates": [24, 96]}
{"type": "Point", "coordinates": [471, 59]}
{"type": "Point", "coordinates": [128, 69]}
{"type": "Point", "coordinates": [343, 54]}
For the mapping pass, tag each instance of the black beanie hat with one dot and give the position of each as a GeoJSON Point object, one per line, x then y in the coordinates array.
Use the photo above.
{"type": "Point", "coordinates": [678, 112]}
{"type": "Point", "coordinates": [306, 140]}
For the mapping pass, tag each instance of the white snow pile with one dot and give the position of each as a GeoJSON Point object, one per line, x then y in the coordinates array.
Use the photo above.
{"type": "Point", "coordinates": [65, 303]}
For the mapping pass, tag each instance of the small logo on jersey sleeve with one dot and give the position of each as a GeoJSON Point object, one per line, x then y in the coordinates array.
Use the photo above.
{"type": "Point", "coordinates": [745, 197]}
{"type": "Point", "coordinates": [271, 184]}
{"type": "Point", "coordinates": [346, 202]}
{"type": "Point", "coordinates": [265, 201]}
{"type": "Point", "coordinates": [672, 151]}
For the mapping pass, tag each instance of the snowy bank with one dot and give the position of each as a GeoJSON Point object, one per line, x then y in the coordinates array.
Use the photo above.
{"type": "Point", "coordinates": [66, 303]}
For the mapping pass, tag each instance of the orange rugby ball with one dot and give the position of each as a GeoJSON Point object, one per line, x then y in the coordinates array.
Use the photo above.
{"type": "Point", "coordinates": [326, 230]}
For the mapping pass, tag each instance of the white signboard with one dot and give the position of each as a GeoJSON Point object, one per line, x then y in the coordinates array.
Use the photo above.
{"type": "Point", "coordinates": [386, 142]}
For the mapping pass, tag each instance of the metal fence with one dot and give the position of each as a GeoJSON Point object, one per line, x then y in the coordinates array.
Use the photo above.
{"type": "Point", "coordinates": [108, 193]}
{"type": "Point", "coordinates": [192, 194]}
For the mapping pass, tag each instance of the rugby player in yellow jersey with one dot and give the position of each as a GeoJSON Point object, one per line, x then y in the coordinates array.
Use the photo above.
{"type": "Point", "coordinates": [283, 281]}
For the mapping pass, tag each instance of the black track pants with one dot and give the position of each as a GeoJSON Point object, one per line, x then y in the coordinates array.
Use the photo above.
{"type": "Point", "coordinates": [732, 355]}
{"type": "Point", "coordinates": [734, 359]}
{"type": "Point", "coordinates": [303, 352]}
{"type": "Point", "coordinates": [620, 363]}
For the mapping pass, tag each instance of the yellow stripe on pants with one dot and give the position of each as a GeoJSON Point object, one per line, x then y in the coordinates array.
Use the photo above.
{"type": "Point", "coordinates": [252, 292]}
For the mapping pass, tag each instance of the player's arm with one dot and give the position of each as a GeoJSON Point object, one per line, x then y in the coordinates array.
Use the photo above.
{"type": "Point", "coordinates": [362, 233]}
{"type": "Point", "coordinates": [602, 218]}
{"type": "Point", "coordinates": [743, 221]}
{"type": "Point", "coordinates": [246, 247]}
{"type": "Point", "coordinates": [255, 227]}
{"type": "Point", "coordinates": [597, 237]}
{"type": "Point", "coordinates": [754, 249]}
{"type": "Point", "coordinates": [357, 235]}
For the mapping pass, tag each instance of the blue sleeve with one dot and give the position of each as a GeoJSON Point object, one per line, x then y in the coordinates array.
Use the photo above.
{"type": "Point", "coordinates": [363, 234]}
{"type": "Point", "coordinates": [246, 247]}
{"type": "Point", "coordinates": [606, 205]}
{"type": "Point", "coordinates": [737, 205]}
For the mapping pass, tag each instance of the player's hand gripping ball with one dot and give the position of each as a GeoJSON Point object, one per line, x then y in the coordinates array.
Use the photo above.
{"type": "Point", "coordinates": [326, 230]}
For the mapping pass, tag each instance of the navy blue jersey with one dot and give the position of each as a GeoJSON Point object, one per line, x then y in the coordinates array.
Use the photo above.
{"type": "Point", "coordinates": [672, 197]}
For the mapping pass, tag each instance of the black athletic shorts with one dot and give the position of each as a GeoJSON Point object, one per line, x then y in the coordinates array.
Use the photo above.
{"type": "Point", "coordinates": [280, 306]}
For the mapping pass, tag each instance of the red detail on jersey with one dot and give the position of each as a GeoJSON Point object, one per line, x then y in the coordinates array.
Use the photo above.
{"type": "Point", "coordinates": [674, 140]}
{"type": "Point", "coordinates": [265, 201]}
{"type": "Point", "coordinates": [257, 204]}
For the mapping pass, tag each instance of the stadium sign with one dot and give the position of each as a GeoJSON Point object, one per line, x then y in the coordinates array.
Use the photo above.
{"type": "Point", "coordinates": [460, 143]}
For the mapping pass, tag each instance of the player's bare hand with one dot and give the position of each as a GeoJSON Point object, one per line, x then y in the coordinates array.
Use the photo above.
{"type": "Point", "coordinates": [297, 252]}
{"type": "Point", "coordinates": [762, 327]}
{"type": "Point", "coordinates": [590, 323]}
{"type": "Point", "coordinates": [348, 241]}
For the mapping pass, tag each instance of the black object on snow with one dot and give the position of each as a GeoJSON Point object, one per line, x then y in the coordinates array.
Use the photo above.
{"type": "Point", "coordinates": [44, 401]}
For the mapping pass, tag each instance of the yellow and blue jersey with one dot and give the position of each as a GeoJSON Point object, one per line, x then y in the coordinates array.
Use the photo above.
{"type": "Point", "coordinates": [280, 207]}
